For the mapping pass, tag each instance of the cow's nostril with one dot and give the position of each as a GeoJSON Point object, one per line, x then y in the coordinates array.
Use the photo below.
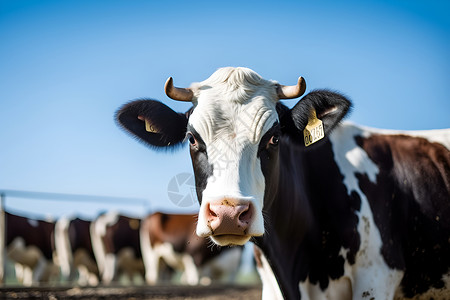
{"type": "Point", "coordinates": [211, 212]}
{"type": "Point", "coordinates": [245, 215]}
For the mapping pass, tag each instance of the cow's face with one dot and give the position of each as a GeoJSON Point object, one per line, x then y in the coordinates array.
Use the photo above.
{"type": "Point", "coordinates": [234, 131]}
{"type": "Point", "coordinates": [233, 124]}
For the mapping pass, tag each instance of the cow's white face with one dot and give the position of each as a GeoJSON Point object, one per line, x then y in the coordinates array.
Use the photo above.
{"type": "Point", "coordinates": [225, 132]}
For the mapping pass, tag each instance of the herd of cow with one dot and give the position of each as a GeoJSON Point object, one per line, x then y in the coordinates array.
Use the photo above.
{"type": "Point", "coordinates": [113, 246]}
{"type": "Point", "coordinates": [334, 210]}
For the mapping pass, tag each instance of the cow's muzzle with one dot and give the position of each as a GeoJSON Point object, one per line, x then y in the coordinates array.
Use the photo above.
{"type": "Point", "coordinates": [229, 221]}
{"type": "Point", "coordinates": [227, 217]}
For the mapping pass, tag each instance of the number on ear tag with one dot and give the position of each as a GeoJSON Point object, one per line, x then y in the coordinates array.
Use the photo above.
{"type": "Point", "coordinates": [314, 130]}
{"type": "Point", "coordinates": [149, 127]}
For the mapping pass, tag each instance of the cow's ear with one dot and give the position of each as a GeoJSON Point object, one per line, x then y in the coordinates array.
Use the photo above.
{"type": "Point", "coordinates": [330, 108]}
{"type": "Point", "coordinates": [153, 123]}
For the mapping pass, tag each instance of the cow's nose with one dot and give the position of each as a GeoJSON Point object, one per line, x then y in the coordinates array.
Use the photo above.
{"type": "Point", "coordinates": [229, 216]}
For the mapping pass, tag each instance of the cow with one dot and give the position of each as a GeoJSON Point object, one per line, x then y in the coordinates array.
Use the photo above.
{"type": "Point", "coordinates": [172, 239]}
{"type": "Point", "coordinates": [335, 210]}
{"type": "Point", "coordinates": [74, 252]}
{"type": "Point", "coordinates": [29, 243]}
{"type": "Point", "coordinates": [116, 245]}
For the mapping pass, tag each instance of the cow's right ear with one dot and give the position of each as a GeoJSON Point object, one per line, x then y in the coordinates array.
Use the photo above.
{"type": "Point", "coordinates": [153, 123]}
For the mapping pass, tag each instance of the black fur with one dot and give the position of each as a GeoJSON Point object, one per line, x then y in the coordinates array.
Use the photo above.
{"type": "Point", "coordinates": [171, 126]}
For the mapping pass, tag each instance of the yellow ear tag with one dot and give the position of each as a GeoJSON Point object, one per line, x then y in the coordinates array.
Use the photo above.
{"type": "Point", "coordinates": [314, 130]}
{"type": "Point", "coordinates": [149, 127]}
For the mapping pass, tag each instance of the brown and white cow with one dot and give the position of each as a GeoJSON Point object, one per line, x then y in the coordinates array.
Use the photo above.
{"type": "Point", "coordinates": [29, 243]}
{"type": "Point", "coordinates": [359, 214]}
{"type": "Point", "coordinates": [172, 238]}
{"type": "Point", "coordinates": [116, 245]}
{"type": "Point", "coordinates": [74, 252]}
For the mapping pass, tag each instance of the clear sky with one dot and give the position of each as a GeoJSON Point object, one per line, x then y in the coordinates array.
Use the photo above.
{"type": "Point", "coordinates": [66, 66]}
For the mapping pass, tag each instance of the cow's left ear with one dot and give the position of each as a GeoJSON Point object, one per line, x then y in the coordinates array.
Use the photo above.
{"type": "Point", "coordinates": [329, 107]}
{"type": "Point", "coordinates": [153, 123]}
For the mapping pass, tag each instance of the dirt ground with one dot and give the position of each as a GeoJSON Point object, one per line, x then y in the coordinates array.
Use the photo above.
{"type": "Point", "coordinates": [219, 292]}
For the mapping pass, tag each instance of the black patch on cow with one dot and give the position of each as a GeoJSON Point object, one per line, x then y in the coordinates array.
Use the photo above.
{"type": "Point", "coordinates": [410, 203]}
{"type": "Point", "coordinates": [121, 235]}
{"type": "Point", "coordinates": [80, 237]}
{"type": "Point", "coordinates": [269, 159]}
{"type": "Point", "coordinates": [40, 236]}
{"type": "Point", "coordinates": [202, 168]}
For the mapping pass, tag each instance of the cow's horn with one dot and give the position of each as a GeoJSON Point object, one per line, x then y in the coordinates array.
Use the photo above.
{"type": "Point", "coordinates": [179, 94]}
{"type": "Point", "coordinates": [292, 91]}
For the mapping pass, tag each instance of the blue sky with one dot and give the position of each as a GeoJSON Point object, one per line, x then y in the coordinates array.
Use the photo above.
{"type": "Point", "coordinates": [66, 66]}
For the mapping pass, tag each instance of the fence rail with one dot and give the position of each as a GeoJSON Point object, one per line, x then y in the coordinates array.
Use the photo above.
{"type": "Point", "coordinates": [70, 197]}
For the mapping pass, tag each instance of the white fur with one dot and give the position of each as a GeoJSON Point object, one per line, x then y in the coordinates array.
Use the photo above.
{"type": "Point", "coordinates": [62, 246]}
{"type": "Point", "coordinates": [233, 109]}
{"type": "Point", "coordinates": [270, 288]}
{"type": "Point", "coordinates": [98, 231]}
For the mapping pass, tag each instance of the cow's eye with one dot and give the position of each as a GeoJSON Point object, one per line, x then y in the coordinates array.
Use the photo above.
{"type": "Point", "coordinates": [274, 140]}
{"type": "Point", "coordinates": [191, 139]}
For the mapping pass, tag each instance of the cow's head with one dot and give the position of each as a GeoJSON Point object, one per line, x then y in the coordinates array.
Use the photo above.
{"type": "Point", "coordinates": [234, 129]}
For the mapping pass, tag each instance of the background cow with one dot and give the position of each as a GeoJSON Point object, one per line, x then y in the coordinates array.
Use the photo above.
{"type": "Point", "coordinates": [29, 244]}
{"type": "Point", "coordinates": [172, 238]}
{"type": "Point", "coordinates": [116, 245]}
{"type": "Point", "coordinates": [350, 213]}
{"type": "Point", "coordinates": [75, 255]}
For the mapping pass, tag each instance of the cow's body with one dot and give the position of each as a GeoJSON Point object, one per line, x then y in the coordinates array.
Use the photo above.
{"type": "Point", "coordinates": [116, 245]}
{"type": "Point", "coordinates": [30, 245]}
{"type": "Point", "coordinates": [360, 198]}
{"type": "Point", "coordinates": [172, 238]}
{"type": "Point", "coordinates": [74, 251]}
{"type": "Point", "coordinates": [361, 214]}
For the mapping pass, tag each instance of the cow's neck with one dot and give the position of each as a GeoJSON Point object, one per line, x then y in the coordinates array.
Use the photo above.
{"type": "Point", "coordinates": [289, 206]}
{"type": "Point", "coordinates": [303, 217]}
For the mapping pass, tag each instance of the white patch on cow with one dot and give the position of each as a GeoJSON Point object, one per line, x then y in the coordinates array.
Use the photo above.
{"type": "Point", "coordinates": [190, 275]}
{"type": "Point", "coordinates": [63, 247]}
{"type": "Point", "coordinates": [350, 157]}
{"type": "Point", "coordinates": [270, 288]}
{"type": "Point", "coordinates": [98, 231]}
{"type": "Point", "coordinates": [233, 109]}
{"type": "Point", "coordinates": [370, 273]}
{"type": "Point", "coordinates": [109, 270]}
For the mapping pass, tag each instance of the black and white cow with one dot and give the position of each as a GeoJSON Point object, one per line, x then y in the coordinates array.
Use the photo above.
{"type": "Point", "coordinates": [29, 243]}
{"type": "Point", "coordinates": [116, 245]}
{"type": "Point", "coordinates": [74, 252]}
{"type": "Point", "coordinates": [359, 214]}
